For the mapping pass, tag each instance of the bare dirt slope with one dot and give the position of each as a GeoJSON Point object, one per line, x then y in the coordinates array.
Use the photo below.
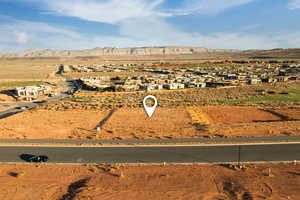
{"type": "Point", "coordinates": [107, 51]}
{"type": "Point", "coordinates": [165, 122]}
{"type": "Point", "coordinates": [4, 98]}
{"type": "Point", "coordinates": [104, 182]}
{"type": "Point", "coordinates": [237, 114]}
{"type": "Point", "coordinates": [24, 70]}
{"type": "Point", "coordinates": [81, 124]}
{"type": "Point", "coordinates": [174, 122]}
{"type": "Point", "coordinates": [50, 124]}
{"type": "Point", "coordinates": [232, 121]}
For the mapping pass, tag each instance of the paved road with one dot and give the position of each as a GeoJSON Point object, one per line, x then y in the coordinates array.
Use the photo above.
{"type": "Point", "coordinates": [28, 105]}
{"type": "Point", "coordinates": [158, 154]}
{"type": "Point", "coordinates": [275, 139]}
{"type": "Point", "coordinates": [65, 86]}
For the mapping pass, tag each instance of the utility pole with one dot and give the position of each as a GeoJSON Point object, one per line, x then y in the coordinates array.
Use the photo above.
{"type": "Point", "coordinates": [239, 154]}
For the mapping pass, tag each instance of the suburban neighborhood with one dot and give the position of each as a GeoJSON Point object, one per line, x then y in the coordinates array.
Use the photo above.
{"type": "Point", "coordinates": [180, 78]}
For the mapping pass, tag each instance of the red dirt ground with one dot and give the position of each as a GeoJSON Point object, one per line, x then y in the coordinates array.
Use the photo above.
{"type": "Point", "coordinates": [289, 113]}
{"type": "Point", "coordinates": [81, 124]}
{"type": "Point", "coordinates": [165, 122]}
{"type": "Point", "coordinates": [41, 124]}
{"type": "Point", "coordinates": [237, 114]}
{"type": "Point", "coordinates": [239, 121]}
{"type": "Point", "coordinates": [184, 182]}
{"type": "Point", "coordinates": [4, 97]}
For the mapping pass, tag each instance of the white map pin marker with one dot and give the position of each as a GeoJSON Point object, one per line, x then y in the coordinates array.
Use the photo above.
{"type": "Point", "coordinates": [150, 110]}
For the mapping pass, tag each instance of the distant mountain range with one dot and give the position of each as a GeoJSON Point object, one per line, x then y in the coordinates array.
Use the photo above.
{"type": "Point", "coordinates": [108, 51]}
{"type": "Point", "coordinates": [175, 52]}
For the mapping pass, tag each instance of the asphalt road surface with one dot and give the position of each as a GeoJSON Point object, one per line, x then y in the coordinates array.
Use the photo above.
{"type": "Point", "coordinates": [65, 86]}
{"type": "Point", "coordinates": [28, 105]}
{"type": "Point", "coordinates": [180, 141]}
{"type": "Point", "coordinates": [158, 154]}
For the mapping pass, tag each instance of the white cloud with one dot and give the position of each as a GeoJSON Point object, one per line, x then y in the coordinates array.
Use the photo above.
{"type": "Point", "coordinates": [111, 12]}
{"type": "Point", "coordinates": [115, 11]}
{"type": "Point", "coordinates": [24, 31]}
{"type": "Point", "coordinates": [141, 23]}
{"type": "Point", "coordinates": [207, 6]}
{"type": "Point", "coordinates": [238, 41]}
{"type": "Point", "coordinates": [151, 29]}
{"type": "Point", "coordinates": [294, 4]}
{"type": "Point", "coordinates": [21, 37]}
{"type": "Point", "coordinates": [288, 39]}
{"type": "Point", "coordinates": [250, 27]}
{"type": "Point", "coordinates": [36, 27]}
{"type": "Point", "coordinates": [156, 32]}
{"type": "Point", "coordinates": [18, 34]}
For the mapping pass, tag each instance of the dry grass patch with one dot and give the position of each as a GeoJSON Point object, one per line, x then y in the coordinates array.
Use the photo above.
{"type": "Point", "coordinates": [25, 69]}
{"type": "Point", "coordinates": [197, 115]}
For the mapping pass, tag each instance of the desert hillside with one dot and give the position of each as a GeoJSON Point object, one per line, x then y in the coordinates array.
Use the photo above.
{"type": "Point", "coordinates": [108, 51]}
{"type": "Point", "coordinates": [156, 53]}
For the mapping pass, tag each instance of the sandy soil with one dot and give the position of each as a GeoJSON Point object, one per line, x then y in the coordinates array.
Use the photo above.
{"type": "Point", "coordinates": [201, 182]}
{"type": "Point", "coordinates": [4, 97]}
{"type": "Point", "coordinates": [289, 113]}
{"type": "Point", "coordinates": [165, 122]}
{"type": "Point", "coordinates": [38, 124]}
{"type": "Point", "coordinates": [81, 124]}
{"type": "Point", "coordinates": [232, 121]}
{"type": "Point", "coordinates": [236, 114]}
{"type": "Point", "coordinates": [259, 129]}
{"type": "Point", "coordinates": [23, 70]}
{"type": "Point", "coordinates": [124, 123]}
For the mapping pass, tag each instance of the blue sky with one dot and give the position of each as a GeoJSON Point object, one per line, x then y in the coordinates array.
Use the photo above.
{"type": "Point", "coordinates": [82, 24]}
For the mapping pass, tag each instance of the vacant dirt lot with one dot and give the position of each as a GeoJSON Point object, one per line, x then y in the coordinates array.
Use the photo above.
{"type": "Point", "coordinates": [289, 113]}
{"type": "Point", "coordinates": [26, 69]}
{"type": "Point", "coordinates": [201, 182]}
{"type": "Point", "coordinates": [4, 97]}
{"type": "Point", "coordinates": [258, 129]}
{"type": "Point", "coordinates": [232, 121]}
{"type": "Point", "coordinates": [50, 124]}
{"type": "Point", "coordinates": [165, 122]}
{"type": "Point", "coordinates": [235, 114]}
{"type": "Point", "coordinates": [124, 123]}
{"type": "Point", "coordinates": [81, 124]}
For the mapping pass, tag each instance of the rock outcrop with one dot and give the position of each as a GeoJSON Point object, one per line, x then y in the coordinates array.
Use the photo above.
{"type": "Point", "coordinates": [108, 51]}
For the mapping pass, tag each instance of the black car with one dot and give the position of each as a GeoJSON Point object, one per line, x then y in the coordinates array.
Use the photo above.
{"type": "Point", "coordinates": [34, 158]}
